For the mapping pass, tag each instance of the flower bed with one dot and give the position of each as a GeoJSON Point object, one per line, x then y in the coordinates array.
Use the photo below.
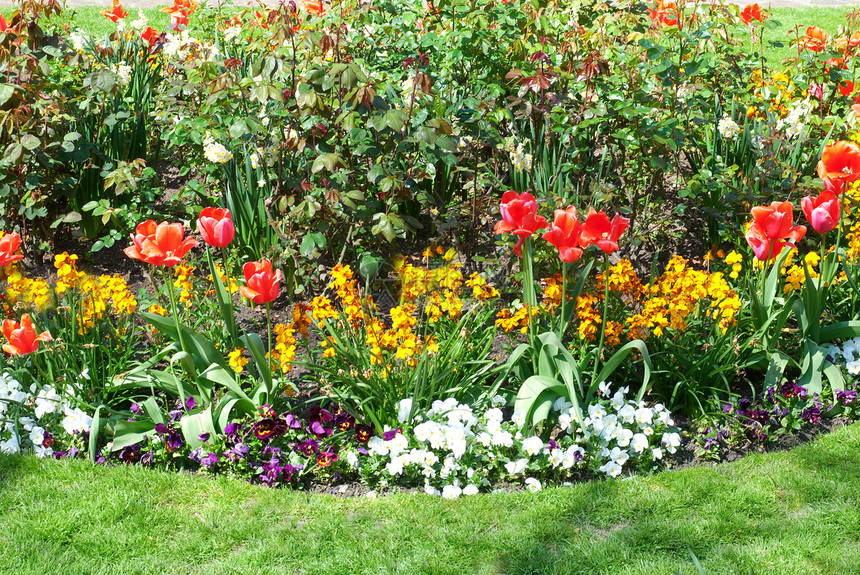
{"type": "Point", "coordinates": [313, 335]}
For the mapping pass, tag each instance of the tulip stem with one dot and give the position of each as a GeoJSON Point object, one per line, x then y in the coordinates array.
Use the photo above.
{"type": "Point", "coordinates": [231, 324]}
{"type": "Point", "coordinates": [269, 333]}
{"type": "Point", "coordinates": [173, 310]}
{"type": "Point", "coordinates": [529, 287]}
{"type": "Point", "coordinates": [602, 319]}
{"type": "Point", "coordinates": [562, 324]}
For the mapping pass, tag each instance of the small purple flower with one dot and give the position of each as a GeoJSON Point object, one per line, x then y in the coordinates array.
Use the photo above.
{"type": "Point", "coordinates": [148, 458]}
{"type": "Point", "coordinates": [173, 441]}
{"type": "Point", "coordinates": [759, 415]}
{"type": "Point", "coordinates": [326, 458]}
{"type": "Point", "coordinates": [175, 415]}
{"type": "Point", "coordinates": [292, 421]}
{"type": "Point", "coordinates": [73, 451]}
{"type": "Point", "coordinates": [130, 453]}
{"type": "Point", "coordinates": [744, 403]}
{"type": "Point", "coordinates": [790, 389]}
{"type": "Point", "coordinates": [321, 415]}
{"type": "Point", "coordinates": [135, 409]}
{"type": "Point", "coordinates": [812, 414]}
{"type": "Point", "coordinates": [363, 433]}
{"type": "Point", "coordinates": [209, 460]}
{"type": "Point", "coordinates": [551, 444]}
{"type": "Point", "coordinates": [727, 407]}
{"type": "Point", "coordinates": [344, 421]}
{"type": "Point", "coordinates": [846, 397]}
{"type": "Point", "coordinates": [160, 428]}
{"type": "Point", "coordinates": [317, 429]}
{"type": "Point", "coordinates": [269, 428]}
{"type": "Point", "coordinates": [189, 403]}
{"type": "Point", "coordinates": [232, 430]}
{"type": "Point", "coordinates": [362, 451]}
{"type": "Point", "coordinates": [308, 447]}
{"type": "Point", "coordinates": [203, 437]}
{"type": "Point", "coordinates": [237, 452]}
{"type": "Point", "coordinates": [389, 435]}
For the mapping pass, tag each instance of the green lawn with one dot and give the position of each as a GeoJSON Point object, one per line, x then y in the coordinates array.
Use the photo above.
{"type": "Point", "coordinates": [784, 513]}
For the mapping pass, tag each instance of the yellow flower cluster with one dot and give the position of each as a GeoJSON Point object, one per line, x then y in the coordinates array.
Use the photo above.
{"type": "Point", "coordinates": [231, 286]}
{"type": "Point", "coordinates": [347, 292]}
{"type": "Point", "coordinates": [98, 294]}
{"type": "Point", "coordinates": [735, 260]}
{"type": "Point", "coordinates": [285, 346]}
{"type": "Point", "coordinates": [236, 360]}
{"type": "Point", "coordinates": [184, 274]}
{"type": "Point", "coordinates": [622, 280]}
{"type": "Point", "coordinates": [481, 290]}
{"type": "Point", "coordinates": [676, 296]}
{"type": "Point", "coordinates": [795, 276]}
{"type": "Point", "coordinates": [773, 94]}
{"type": "Point", "coordinates": [589, 318]}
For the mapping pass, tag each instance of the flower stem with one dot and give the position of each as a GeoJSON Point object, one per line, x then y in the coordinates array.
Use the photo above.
{"type": "Point", "coordinates": [231, 324]}
{"type": "Point", "coordinates": [269, 332]}
{"type": "Point", "coordinates": [173, 310]}
{"type": "Point", "coordinates": [602, 319]}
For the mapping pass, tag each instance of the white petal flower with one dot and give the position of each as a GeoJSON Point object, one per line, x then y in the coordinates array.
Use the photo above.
{"type": "Point", "coordinates": [470, 489]}
{"type": "Point", "coordinates": [533, 485]}
{"type": "Point", "coordinates": [451, 492]}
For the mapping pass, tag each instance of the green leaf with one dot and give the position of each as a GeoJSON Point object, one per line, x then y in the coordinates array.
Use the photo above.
{"type": "Point", "coordinates": [130, 432]}
{"type": "Point", "coordinates": [95, 429]}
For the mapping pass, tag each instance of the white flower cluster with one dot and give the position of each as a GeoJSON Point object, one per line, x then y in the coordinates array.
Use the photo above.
{"type": "Point", "coordinates": [521, 160]}
{"type": "Point", "coordinates": [141, 22]}
{"type": "Point", "coordinates": [625, 429]}
{"type": "Point", "coordinates": [77, 39]}
{"type": "Point", "coordinates": [848, 354]}
{"type": "Point", "coordinates": [455, 451]}
{"type": "Point", "coordinates": [728, 128]}
{"type": "Point", "coordinates": [20, 411]}
{"type": "Point", "coordinates": [215, 151]}
{"type": "Point", "coordinates": [232, 32]}
{"type": "Point", "coordinates": [793, 123]}
{"type": "Point", "coordinates": [123, 73]}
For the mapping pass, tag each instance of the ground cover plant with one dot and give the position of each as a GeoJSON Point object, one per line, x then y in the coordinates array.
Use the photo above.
{"type": "Point", "coordinates": [442, 246]}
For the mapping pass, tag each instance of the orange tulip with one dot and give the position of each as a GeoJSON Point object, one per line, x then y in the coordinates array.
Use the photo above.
{"type": "Point", "coordinates": [602, 232]}
{"type": "Point", "coordinates": [216, 227]}
{"type": "Point", "coordinates": [150, 35]}
{"type": "Point", "coordinates": [815, 39]}
{"type": "Point", "coordinates": [565, 234]}
{"type": "Point", "coordinates": [519, 217]}
{"type": "Point", "coordinates": [116, 13]}
{"type": "Point", "coordinates": [159, 244]}
{"type": "Point", "coordinates": [752, 12]}
{"type": "Point", "coordinates": [770, 228]}
{"type": "Point", "coordinates": [22, 336]}
{"type": "Point", "coordinates": [262, 282]}
{"type": "Point", "coordinates": [9, 245]}
{"type": "Point", "coordinates": [839, 165]}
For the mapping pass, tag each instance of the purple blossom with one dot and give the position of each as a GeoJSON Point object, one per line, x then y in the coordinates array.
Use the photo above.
{"type": "Point", "coordinates": [148, 458]}
{"type": "Point", "coordinates": [203, 437]}
{"type": "Point", "coordinates": [232, 430]}
{"type": "Point", "coordinates": [130, 453]}
{"type": "Point", "coordinates": [389, 435]}
{"type": "Point", "coordinates": [237, 452]}
{"type": "Point", "coordinates": [308, 447]}
{"type": "Point", "coordinates": [292, 421]}
{"type": "Point", "coordinates": [317, 429]}
{"type": "Point", "coordinates": [189, 403]}
{"type": "Point", "coordinates": [160, 428]}
{"type": "Point", "coordinates": [209, 460]}
{"type": "Point", "coordinates": [846, 397]}
{"type": "Point", "coordinates": [135, 409]}
{"type": "Point", "coordinates": [175, 415]}
{"type": "Point", "coordinates": [790, 389]}
{"type": "Point", "coordinates": [320, 415]}
{"type": "Point", "coordinates": [812, 414]}
{"type": "Point", "coordinates": [344, 421]}
{"type": "Point", "coordinates": [269, 428]}
{"type": "Point", "coordinates": [363, 433]}
{"type": "Point", "coordinates": [760, 416]}
{"type": "Point", "coordinates": [173, 441]}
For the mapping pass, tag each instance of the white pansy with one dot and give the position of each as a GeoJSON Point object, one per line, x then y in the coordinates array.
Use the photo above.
{"type": "Point", "coordinates": [378, 446]}
{"type": "Point", "coordinates": [46, 402]}
{"type": "Point", "coordinates": [671, 441]}
{"type": "Point", "coordinates": [10, 446]}
{"type": "Point", "coordinates": [644, 416]}
{"type": "Point", "coordinates": [604, 388]}
{"type": "Point", "coordinates": [470, 489]}
{"type": "Point", "coordinates": [657, 453]}
{"type": "Point", "coordinates": [624, 437]}
{"type": "Point", "coordinates": [516, 467]}
{"type": "Point", "coordinates": [498, 401]}
{"type": "Point", "coordinates": [627, 413]}
{"type": "Point", "coordinates": [451, 492]}
{"type": "Point", "coordinates": [404, 408]}
{"type": "Point", "coordinates": [533, 485]}
{"type": "Point", "coordinates": [639, 443]}
{"type": "Point", "coordinates": [519, 418]}
{"type": "Point", "coordinates": [76, 421]}
{"type": "Point", "coordinates": [533, 445]}
{"type": "Point", "coordinates": [352, 459]}
{"type": "Point", "coordinates": [611, 469]}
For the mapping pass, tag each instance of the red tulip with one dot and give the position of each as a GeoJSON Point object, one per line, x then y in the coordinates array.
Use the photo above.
{"type": "Point", "coordinates": [22, 336]}
{"type": "Point", "coordinates": [150, 35]}
{"type": "Point", "coordinates": [116, 13]}
{"type": "Point", "coordinates": [751, 12]}
{"type": "Point", "coordinates": [216, 227]}
{"type": "Point", "coordinates": [565, 234]}
{"type": "Point", "coordinates": [846, 88]}
{"type": "Point", "coordinates": [262, 282]}
{"type": "Point", "coordinates": [598, 230]}
{"type": "Point", "coordinates": [159, 244]}
{"type": "Point", "coordinates": [770, 228]}
{"type": "Point", "coordinates": [822, 212]}
{"type": "Point", "coordinates": [519, 217]}
{"type": "Point", "coordinates": [839, 165]}
{"type": "Point", "coordinates": [9, 245]}
{"type": "Point", "coordinates": [4, 26]}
